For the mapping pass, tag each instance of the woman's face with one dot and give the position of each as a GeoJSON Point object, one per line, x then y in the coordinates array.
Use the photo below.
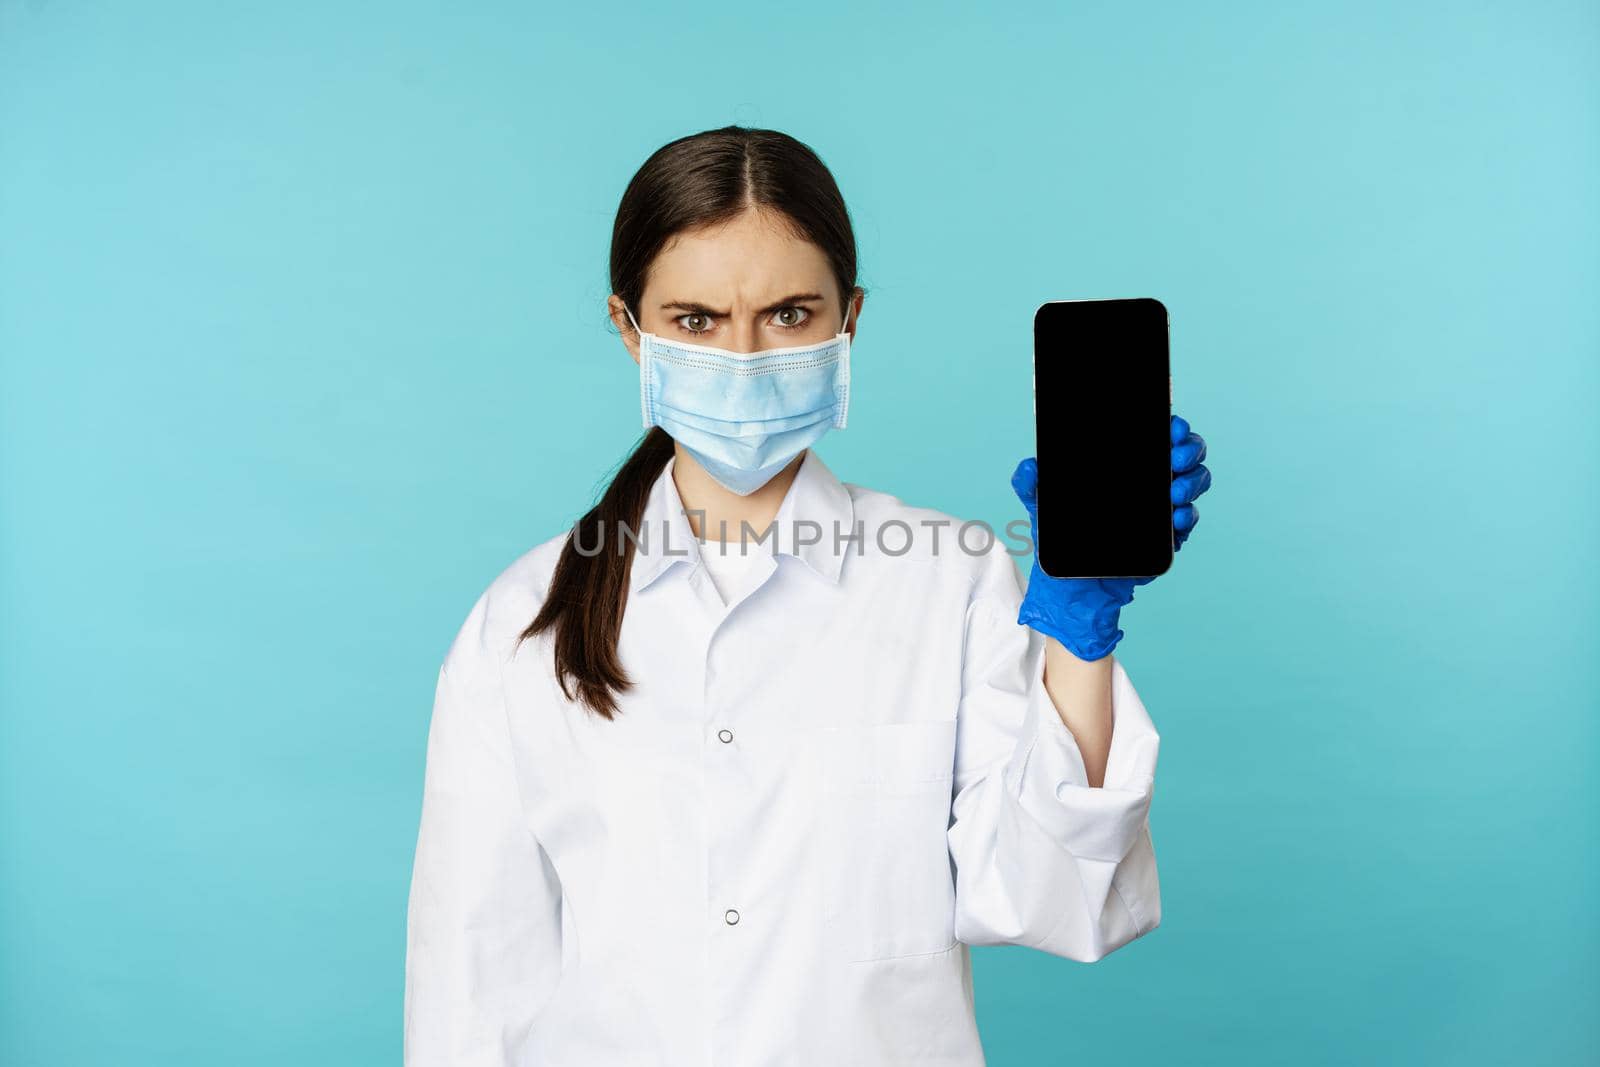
{"type": "Point", "coordinates": [744, 286]}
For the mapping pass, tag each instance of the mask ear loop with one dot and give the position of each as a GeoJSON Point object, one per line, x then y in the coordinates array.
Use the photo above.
{"type": "Point", "coordinates": [842, 403]}
{"type": "Point", "coordinates": [644, 374]}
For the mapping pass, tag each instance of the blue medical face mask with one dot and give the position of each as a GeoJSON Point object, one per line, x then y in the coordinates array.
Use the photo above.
{"type": "Point", "coordinates": [744, 415]}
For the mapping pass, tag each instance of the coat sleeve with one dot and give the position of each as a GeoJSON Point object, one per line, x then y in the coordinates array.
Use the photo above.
{"type": "Point", "coordinates": [483, 926]}
{"type": "Point", "coordinates": [1042, 858]}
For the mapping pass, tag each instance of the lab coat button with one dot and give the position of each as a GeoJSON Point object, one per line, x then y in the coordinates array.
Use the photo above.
{"type": "Point", "coordinates": [731, 916]}
{"type": "Point", "coordinates": [725, 735]}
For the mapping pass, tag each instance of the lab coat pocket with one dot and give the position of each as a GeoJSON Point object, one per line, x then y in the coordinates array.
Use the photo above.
{"type": "Point", "coordinates": [890, 888]}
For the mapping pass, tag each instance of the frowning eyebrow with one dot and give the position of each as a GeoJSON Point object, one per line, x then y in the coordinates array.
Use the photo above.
{"type": "Point", "coordinates": [695, 308]}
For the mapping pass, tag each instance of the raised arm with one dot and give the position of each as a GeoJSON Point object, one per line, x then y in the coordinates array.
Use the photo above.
{"type": "Point", "coordinates": [1043, 858]}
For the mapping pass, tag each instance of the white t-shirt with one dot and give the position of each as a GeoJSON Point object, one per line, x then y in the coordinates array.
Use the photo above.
{"type": "Point", "coordinates": [729, 564]}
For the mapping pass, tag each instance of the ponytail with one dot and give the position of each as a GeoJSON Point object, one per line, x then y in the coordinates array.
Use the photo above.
{"type": "Point", "coordinates": [588, 593]}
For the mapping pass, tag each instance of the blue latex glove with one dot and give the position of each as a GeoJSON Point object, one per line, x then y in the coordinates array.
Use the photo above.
{"type": "Point", "coordinates": [1082, 613]}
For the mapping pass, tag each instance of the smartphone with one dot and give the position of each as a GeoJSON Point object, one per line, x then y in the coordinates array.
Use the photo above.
{"type": "Point", "coordinates": [1102, 400]}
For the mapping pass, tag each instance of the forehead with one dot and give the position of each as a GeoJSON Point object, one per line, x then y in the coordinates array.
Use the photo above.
{"type": "Point", "coordinates": [751, 258]}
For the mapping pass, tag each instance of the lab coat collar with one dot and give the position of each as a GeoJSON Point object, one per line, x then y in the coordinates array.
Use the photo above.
{"type": "Point", "coordinates": [814, 518]}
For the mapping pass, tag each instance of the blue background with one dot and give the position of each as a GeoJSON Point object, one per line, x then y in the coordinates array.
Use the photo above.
{"type": "Point", "coordinates": [302, 339]}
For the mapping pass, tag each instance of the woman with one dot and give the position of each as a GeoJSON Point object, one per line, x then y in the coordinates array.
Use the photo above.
{"type": "Point", "coordinates": [734, 771]}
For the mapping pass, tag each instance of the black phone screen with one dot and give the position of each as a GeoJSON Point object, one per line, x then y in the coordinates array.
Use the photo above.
{"type": "Point", "coordinates": [1103, 404]}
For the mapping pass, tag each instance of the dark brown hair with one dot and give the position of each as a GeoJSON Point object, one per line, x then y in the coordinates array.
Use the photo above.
{"type": "Point", "coordinates": [698, 180]}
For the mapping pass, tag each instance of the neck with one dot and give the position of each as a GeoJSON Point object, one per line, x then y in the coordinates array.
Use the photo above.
{"type": "Point", "coordinates": [714, 513]}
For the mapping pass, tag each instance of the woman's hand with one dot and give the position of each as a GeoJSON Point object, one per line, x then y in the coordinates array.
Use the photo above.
{"type": "Point", "coordinates": [1082, 613]}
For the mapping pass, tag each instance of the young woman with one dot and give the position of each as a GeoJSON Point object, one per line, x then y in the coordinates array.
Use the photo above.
{"type": "Point", "coordinates": [735, 770]}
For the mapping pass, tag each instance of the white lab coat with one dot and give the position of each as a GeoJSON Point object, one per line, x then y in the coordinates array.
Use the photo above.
{"type": "Point", "coordinates": [815, 798]}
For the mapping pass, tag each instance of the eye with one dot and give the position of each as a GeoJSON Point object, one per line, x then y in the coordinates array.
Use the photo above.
{"type": "Point", "coordinates": [695, 316]}
{"type": "Point", "coordinates": [784, 317]}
